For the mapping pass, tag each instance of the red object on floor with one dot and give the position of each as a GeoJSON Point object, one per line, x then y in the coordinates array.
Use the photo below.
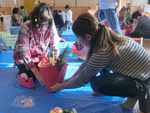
{"type": "Point", "coordinates": [26, 83]}
{"type": "Point", "coordinates": [51, 75]}
{"type": "Point", "coordinates": [128, 30]}
{"type": "Point", "coordinates": [106, 24]}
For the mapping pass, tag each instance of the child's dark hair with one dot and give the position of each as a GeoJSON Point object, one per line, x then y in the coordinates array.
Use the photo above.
{"type": "Point", "coordinates": [101, 36]}
{"type": "Point", "coordinates": [67, 7]}
{"type": "Point", "coordinates": [131, 21]}
{"type": "Point", "coordinates": [21, 7]}
{"type": "Point", "coordinates": [41, 13]}
{"type": "Point", "coordinates": [15, 10]}
{"type": "Point", "coordinates": [136, 14]}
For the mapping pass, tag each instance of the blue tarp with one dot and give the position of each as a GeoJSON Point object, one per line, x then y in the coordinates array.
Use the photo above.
{"type": "Point", "coordinates": [79, 98]}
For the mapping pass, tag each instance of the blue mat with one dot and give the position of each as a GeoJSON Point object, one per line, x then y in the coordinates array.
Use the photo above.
{"type": "Point", "coordinates": [68, 36]}
{"type": "Point", "coordinates": [79, 98]}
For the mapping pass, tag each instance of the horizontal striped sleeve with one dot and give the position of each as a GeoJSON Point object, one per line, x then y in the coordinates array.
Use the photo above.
{"type": "Point", "coordinates": [97, 61]}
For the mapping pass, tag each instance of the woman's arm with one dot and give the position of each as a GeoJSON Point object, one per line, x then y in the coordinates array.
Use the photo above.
{"type": "Point", "coordinates": [74, 75]}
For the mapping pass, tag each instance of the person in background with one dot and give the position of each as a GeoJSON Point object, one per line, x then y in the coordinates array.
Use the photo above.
{"type": "Point", "coordinates": [59, 23]}
{"type": "Point", "coordinates": [22, 12]}
{"type": "Point", "coordinates": [68, 18]}
{"type": "Point", "coordinates": [35, 4]}
{"type": "Point", "coordinates": [110, 9]}
{"type": "Point", "coordinates": [35, 36]}
{"type": "Point", "coordinates": [26, 18]}
{"type": "Point", "coordinates": [17, 19]}
{"type": "Point", "coordinates": [62, 14]}
{"type": "Point", "coordinates": [143, 26]}
{"type": "Point", "coordinates": [130, 22]}
{"type": "Point", "coordinates": [127, 59]}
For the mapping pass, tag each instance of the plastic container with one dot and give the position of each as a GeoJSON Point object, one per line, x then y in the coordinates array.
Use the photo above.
{"type": "Point", "coordinates": [4, 35]}
{"type": "Point", "coordinates": [14, 29]}
{"type": "Point", "coordinates": [26, 83]}
{"type": "Point", "coordinates": [51, 75]}
{"type": "Point", "coordinates": [10, 40]}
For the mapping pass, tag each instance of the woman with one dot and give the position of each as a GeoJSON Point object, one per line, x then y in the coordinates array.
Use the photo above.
{"type": "Point", "coordinates": [143, 26]}
{"type": "Point", "coordinates": [34, 38]}
{"type": "Point", "coordinates": [125, 57]}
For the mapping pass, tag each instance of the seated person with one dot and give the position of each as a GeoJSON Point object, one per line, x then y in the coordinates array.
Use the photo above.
{"type": "Point", "coordinates": [59, 23]}
{"type": "Point", "coordinates": [17, 19]}
{"type": "Point", "coordinates": [130, 24]}
{"type": "Point", "coordinates": [22, 12]}
{"type": "Point", "coordinates": [35, 36]}
{"type": "Point", "coordinates": [143, 26]}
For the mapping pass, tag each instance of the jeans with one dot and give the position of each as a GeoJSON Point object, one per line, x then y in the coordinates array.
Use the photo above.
{"type": "Point", "coordinates": [112, 19]}
{"type": "Point", "coordinates": [135, 34]}
{"type": "Point", "coordinates": [114, 84]}
{"type": "Point", "coordinates": [68, 25]}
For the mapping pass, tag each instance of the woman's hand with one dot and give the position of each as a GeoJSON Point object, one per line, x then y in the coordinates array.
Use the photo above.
{"type": "Point", "coordinates": [59, 86]}
{"type": "Point", "coordinates": [56, 87]}
{"type": "Point", "coordinates": [38, 75]}
{"type": "Point", "coordinates": [118, 8]}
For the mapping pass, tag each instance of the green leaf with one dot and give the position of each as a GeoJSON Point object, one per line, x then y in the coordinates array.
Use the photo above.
{"type": "Point", "coordinates": [64, 55]}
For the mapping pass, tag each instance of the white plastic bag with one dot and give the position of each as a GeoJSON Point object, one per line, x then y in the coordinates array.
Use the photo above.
{"type": "Point", "coordinates": [6, 22]}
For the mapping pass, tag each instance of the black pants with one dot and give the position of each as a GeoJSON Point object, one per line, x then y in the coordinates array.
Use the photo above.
{"type": "Point", "coordinates": [22, 69]}
{"type": "Point", "coordinates": [135, 34]}
{"type": "Point", "coordinates": [114, 84]}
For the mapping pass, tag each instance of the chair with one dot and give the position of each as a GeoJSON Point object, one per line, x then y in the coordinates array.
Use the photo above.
{"type": "Point", "coordinates": [139, 39]}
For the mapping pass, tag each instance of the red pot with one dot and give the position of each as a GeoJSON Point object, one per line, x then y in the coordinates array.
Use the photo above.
{"type": "Point", "coordinates": [51, 75]}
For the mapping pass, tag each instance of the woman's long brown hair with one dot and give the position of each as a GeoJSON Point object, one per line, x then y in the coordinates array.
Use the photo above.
{"type": "Point", "coordinates": [101, 36]}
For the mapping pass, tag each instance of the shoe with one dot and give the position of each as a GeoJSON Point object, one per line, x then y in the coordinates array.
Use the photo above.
{"type": "Point", "coordinates": [129, 103]}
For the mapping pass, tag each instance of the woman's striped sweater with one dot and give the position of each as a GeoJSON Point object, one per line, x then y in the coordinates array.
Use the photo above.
{"type": "Point", "coordinates": [134, 62]}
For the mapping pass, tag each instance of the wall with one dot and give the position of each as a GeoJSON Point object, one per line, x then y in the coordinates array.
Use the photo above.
{"type": "Point", "coordinates": [65, 2]}
{"type": "Point", "coordinates": [11, 3]}
{"type": "Point", "coordinates": [76, 10]}
{"type": "Point", "coordinates": [135, 4]}
{"type": "Point", "coordinates": [29, 5]}
{"type": "Point", "coordinates": [86, 2]}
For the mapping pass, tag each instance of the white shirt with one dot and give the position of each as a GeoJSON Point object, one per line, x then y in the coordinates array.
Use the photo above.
{"type": "Point", "coordinates": [69, 16]}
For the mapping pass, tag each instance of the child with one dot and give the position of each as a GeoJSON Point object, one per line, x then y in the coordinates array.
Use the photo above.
{"type": "Point", "coordinates": [125, 57]}
{"type": "Point", "coordinates": [68, 18]}
{"type": "Point", "coordinates": [130, 23]}
{"type": "Point", "coordinates": [22, 12]}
